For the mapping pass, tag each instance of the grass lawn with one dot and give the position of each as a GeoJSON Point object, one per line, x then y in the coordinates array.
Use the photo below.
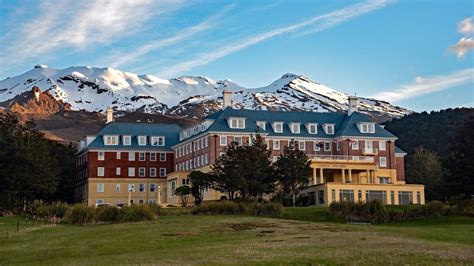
{"type": "Point", "coordinates": [241, 239]}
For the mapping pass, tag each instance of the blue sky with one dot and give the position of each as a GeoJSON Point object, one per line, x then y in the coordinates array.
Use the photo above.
{"type": "Point", "coordinates": [416, 54]}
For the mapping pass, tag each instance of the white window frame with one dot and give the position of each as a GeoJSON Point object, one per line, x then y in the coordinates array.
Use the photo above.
{"type": "Point", "coordinates": [162, 172]}
{"type": "Point", "coordinates": [117, 171]}
{"type": "Point", "coordinates": [141, 171]}
{"type": "Point", "coordinates": [367, 127]}
{"type": "Point", "coordinates": [141, 140]}
{"type": "Point", "coordinates": [355, 144]}
{"type": "Point", "coordinates": [162, 157]}
{"type": "Point", "coordinates": [261, 124]}
{"type": "Point", "coordinates": [127, 140]}
{"type": "Point", "coordinates": [152, 187]}
{"type": "Point", "coordinates": [153, 156]}
{"type": "Point", "coordinates": [100, 187]}
{"type": "Point", "coordinates": [329, 144]}
{"type": "Point", "coordinates": [131, 187]}
{"type": "Point", "coordinates": [237, 122]}
{"type": "Point", "coordinates": [382, 145]}
{"type": "Point", "coordinates": [111, 140]}
{"type": "Point", "coordinates": [295, 128]}
{"type": "Point", "coordinates": [329, 129]}
{"type": "Point", "coordinates": [117, 187]}
{"type": "Point", "coordinates": [302, 145]}
{"type": "Point", "coordinates": [382, 161]}
{"type": "Point", "coordinates": [275, 145]}
{"type": "Point", "coordinates": [101, 156]}
{"type": "Point", "coordinates": [131, 156]}
{"type": "Point", "coordinates": [310, 125]}
{"type": "Point", "coordinates": [316, 146]}
{"type": "Point", "coordinates": [131, 171]}
{"type": "Point", "coordinates": [239, 140]}
{"type": "Point", "coordinates": [142, 156]}
{"type": "Point", "coordinates": [339, 145]}
{"type": "Point", "coordinates": [142, 187]}
{"type": "Point", "coordinates": [278, 125]}
{"type": "Point", "coordinates": [118, 155]}
{"type": "Point", "coordinates": [100, 171]}
{"type": "Point", "coordinates": [157, 141]}
{"type": "Point", "coordinates": [223, 140]}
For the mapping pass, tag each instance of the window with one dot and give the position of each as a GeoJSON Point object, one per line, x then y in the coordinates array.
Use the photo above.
{"type": "Point", "coordinates": [312, 128]}
{"type": "Point", "coordinates": [384, 180]}
{"type": "Point", "coordinates": [101, 155]}
{"type": "Point", "coordinates": [127, 140]}
{"type": "Point", "coordinates": [157, 141]}
{"type": "Point", "coordinates": [333, 192]}
{"type": "Point", "coordinates": [99, 201]}
{"type": "Point", "coordinates": [162, 157]}
{"type": "Point", "coordinates": [405, 197]}
{"type": "Point", "coordinates": [141, 156]}
{"type": "Point", "coordinates": [119, 155]}
{"type": "Point", "coordinates": [131, 187]}
{"type": "Point", "coordinates": [131, 156]}
{"type": "Point", "coordinates": [152, 187]}
{"type": "Point", "coordinates": [111, 140]}
{"type": "Point", "coordinates": [392, 198]}
{"type": "Point", "coordinates": [223, 140]}
{"type": "Point", "coordinates": [327, 146]}
{"type": "Point", "coordinates": [295, 128]}
{"type": "Point", "coordinates": [152, 156]}
{"type": "Point", "coordinates": [142, 140]}
{"type": "Point", "coordinates": [117, 171]}
{"type": "Point", "coordinates": [329, 129]}
{"type": "Point", "coordinates": [276, 144]}
{"type": "Point", "coordinates": [162, 172]}
{"type": "Point", "coordinates": [317, 146]}
{"type": "Point", "coordinates": [382, 145]}
{"type": "Point", "coordinates": [141, 171]}
{"type": "Point", "coordinates": [141, 188]}
{"type": "Point", "coordinates": [359, 195]}
{"type": "Point", "coordinates": [301, 145]}
{"type": "Point", "coordinates": [238, 140]}
{"type": "Point", "coordinates": [261, 125]}
{"type": "Point", "coordinates": [173, 188]}
{"type": "Point", "coordinates": [131, 171]}
{"type": "Point", "coordinates": [418, 197]}
{"type": "Point", "coordinates": [367, 127]}
{"type": "Point", "coordinates": [369, 146]}
{"type": "Point", "coordinates": [378, 195]}
{"type": "Point", "coordinates": [355, 144]}
{"type": "Point", "coordinates": [237, 123]}
{"type": "Point", "coordinates": [206, 158]}
{"type": "Point", "coordinates": [100, 187]}
{"type": "Point", "coordinates": [153, 172]}
{"type": "Point", "coordinates": [338, 145]}
{"type": "Point", "coordinates": [278, 127]}
{"type": "Point", "coordinates": [383, 161]}
{"type": "Point", "coordinates": [100, 171]}
{"type": "Point", "coordinates": [117, 187]}
{"type": "Point", "coordinates": [205, 142]}
{"type": "Point", "coordinates": [346, 195]}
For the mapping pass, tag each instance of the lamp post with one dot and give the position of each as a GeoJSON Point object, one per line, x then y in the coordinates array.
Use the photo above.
{"type": "Point", "coordinates": [158, 200]}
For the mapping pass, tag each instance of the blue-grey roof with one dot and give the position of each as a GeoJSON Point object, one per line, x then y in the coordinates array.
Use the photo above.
{"type": "Point", "coordinates": [344, 125]}
{"type": "Point", "coordinates": [399, 150]}
{"type": "Point", "coordinates": [169, 131]}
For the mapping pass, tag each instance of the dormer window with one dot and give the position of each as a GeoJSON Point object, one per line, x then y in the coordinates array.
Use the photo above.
{"type": "Point", "coordinates": [127, 140]}
{"type": "Point", "coordinates": [261, 125]}
{"type": "Point", "coordinates": [295, 128]}
{"type": "Point", "coordinates": [111, 140]}
{"type": "Point", "coordinates": [142, 140]}
{"type": "Point", "coordinates": [236, 122]}
{"type": "Point", "coordinates": [329, 129]}
{"type": "Point", "coordinates": [278, 127]}
{"type": "Point", "coordinates": [157, 141]}
{"type": "Point", "coordinates": [366, 127]}
{"type": "Point", "coordinates": [312, 128]}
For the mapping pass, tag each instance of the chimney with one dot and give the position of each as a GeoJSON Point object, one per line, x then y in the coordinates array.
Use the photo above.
{"type": "Point", "coordinates": [227, 93]}
{"type": "Point", "coordinates": [353, 102]}
{"type": "Point", "coordinates": [110, 115]}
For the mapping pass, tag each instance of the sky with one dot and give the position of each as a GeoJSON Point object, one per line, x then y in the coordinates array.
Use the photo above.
{"type": "Point", "coordinates": [415, 54]}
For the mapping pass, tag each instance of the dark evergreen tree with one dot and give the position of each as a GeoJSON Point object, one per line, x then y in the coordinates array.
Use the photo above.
{"type": "Point", "coordinates": [424, 167]}
{"type": "Point", "coordinates": [225, 174]}
{"type": "Point", "coordinates": [199, 183]}
{"type": "Point", "coordinates": [292, 170]}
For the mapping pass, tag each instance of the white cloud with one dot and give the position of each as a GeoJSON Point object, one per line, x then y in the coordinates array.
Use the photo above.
{"type": "Point", "coordinates": [79, 25]}
{"type": "Point", "coordinates": [463, 46]}
{"type": "Point", "coordinates": [327, 20]}
{"type": "Point", "coordinates": [120, 60]}
{"type": "Point", "coordinates": [426, 85]}
{"type": "Point", "coordinates": [466, 26]}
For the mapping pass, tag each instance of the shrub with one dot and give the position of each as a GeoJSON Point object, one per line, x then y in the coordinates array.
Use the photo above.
{"type": "Point", "coordinates": [136, 213]}
{"type": "Point", "coordinates": [108, 214]}
{"type": "Point", "coordinates": [264, 209]}
{"type": "Point", "coordinates": [368, 212]}
{"type": "Point", "coordinates": [57, 209]}
{"type": "Point", "coordinates": [219, 207]}
{"type": "Point", "coordinates": [80, 214]}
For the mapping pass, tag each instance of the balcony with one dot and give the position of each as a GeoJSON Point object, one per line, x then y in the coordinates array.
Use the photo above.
{"type": "Point", "coordinates": [355, 159]}
{"type": "Point", "coordinates": [369, 151]}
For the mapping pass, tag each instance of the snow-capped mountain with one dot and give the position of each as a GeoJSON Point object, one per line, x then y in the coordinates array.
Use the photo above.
{"type": "Point", "coordinates": [94, 89]}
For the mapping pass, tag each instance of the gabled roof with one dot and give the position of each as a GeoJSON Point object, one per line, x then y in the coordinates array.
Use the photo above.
{"type": "Point", "coordinates": [169, 131]}
{"type": "Point", "coordinates": [399, 150]}
{"type": "Point", "coordinates": [349, 127]}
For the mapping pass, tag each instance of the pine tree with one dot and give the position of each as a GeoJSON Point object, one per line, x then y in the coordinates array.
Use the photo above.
{"type": "Point", "coordinates": [199, 182]}
{"type": "Point", "coordinates": [225, 176]}
{"type": "Point", "coordinates": [293, 170]}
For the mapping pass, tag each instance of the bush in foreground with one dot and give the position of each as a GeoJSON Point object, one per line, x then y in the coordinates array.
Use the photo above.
{"type": "Point", "coordinates": [108, 214]}
{"type": "Point", "coordinates": [80, 214]}
{"type": "Point", "coordinates": [231, 208]}
{"type": "Point", "coordinates": [136, 213]}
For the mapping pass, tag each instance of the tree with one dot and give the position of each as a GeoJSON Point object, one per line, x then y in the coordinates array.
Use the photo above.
{"type": "Point", "coordinates": [459, 178]}
{"type": "Point", "coordinates": [183, 194]}
{"type": "Point", "coordinates": [424, 167]}
{"type": "Point", "coordinates": [225, 172]}
{"type": "Point", "coordinates": [292, 169]}
{"type": "Point", "coordinates": [199, 182]}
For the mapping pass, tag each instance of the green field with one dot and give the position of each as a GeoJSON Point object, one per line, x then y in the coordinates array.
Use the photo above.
{"type": "Point", "coordinates": [315, 238]}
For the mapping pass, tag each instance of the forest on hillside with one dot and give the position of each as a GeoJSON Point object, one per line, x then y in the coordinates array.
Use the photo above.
{"type": "Point", "coordinates": [440, 147]}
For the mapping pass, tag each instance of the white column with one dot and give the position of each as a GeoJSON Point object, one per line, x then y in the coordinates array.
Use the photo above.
{"type": "Point", "coordinates": [321, 176]}
{"type": "Point", "coordinates": [315, 180]}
